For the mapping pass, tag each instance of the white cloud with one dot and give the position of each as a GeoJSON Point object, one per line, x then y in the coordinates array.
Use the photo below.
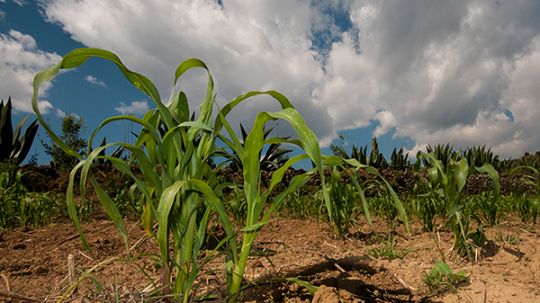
{"type": "Point", "coordinates": [437, 71]}
{"type": "Point", "coordinates": [60, 113]}
{"type": "Point", "coordinates": [134, 108]}
{"type": "Point", "coordinates": [20, 60]}
{"type": "Point", "coordinates": [93, 80]}
{"type": "Point", "coordinates": [259, 46]}
{"type": "Point", "coordinates": [387, 121]}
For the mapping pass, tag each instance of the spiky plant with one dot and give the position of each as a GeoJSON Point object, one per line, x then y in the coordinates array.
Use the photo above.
{"type": "Point", "coordinates": [14, 146]}
{"type": "Point", "coordinates": [399, 159]}
{"type": "Point", "coordinates": [376, 158]}
{"type": "Point", "coordinates": [443, 153]}
{"type": "Point", "coordinates": [480, 155]}
{"type": "Point", "coordinates": [271, 159]}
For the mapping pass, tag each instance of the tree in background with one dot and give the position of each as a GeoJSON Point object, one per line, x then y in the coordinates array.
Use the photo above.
{"type": "Point", "coordinates": [72, 125]}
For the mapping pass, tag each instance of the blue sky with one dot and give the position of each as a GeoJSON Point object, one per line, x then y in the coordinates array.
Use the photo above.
{"type": "Point", "coordinates": [411, 73]}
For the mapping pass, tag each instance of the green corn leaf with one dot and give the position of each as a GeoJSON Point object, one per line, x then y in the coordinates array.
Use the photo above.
{"type": "Point", "coordinates": [75, 59]}
{"type": "Point", "coordinates": [312, 289]}
{"type": "Point", "coordinates": [111, 210]}
{"type": "Point", "coordinates": [166, 202]}
{"type": "Point", "coordinates": [284, 102]}
{"type": "Point", "coordinates": [493, 174]}
{"type": "Point", "coordinates": [277, 176]}
{"type": "Point", "coordinates": [461, 173]}
{"type": "Point", "coordinates": [72, 207]}
{"type": "Point", "coordinates": [295, 183]}
{"type": "Point", "coordinates": [399, 205]}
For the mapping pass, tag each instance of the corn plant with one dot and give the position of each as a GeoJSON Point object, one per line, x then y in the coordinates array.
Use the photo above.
{"type": "Point", "coordinates": [343, 198]}
{"type": "Point", "coordinates": [352, 168]}
{"type": "Point", "coordinates": [249, 152]}
{"type": "Point", "coordinates": [531, 176]}
{"type": "Point", "coordinates": [14, 146]}
{"type": "Point", "coordinates": [19, 207]}
{"type": "Point", "coordinates": [388, 250]}
{"type": "Point", "coordinates": [489, 204]}
{"type": "Point", "coordinates": [530, 205]}
{"type": "Point", "coordinates": [447, 183]}
{"type": "Point", "coordinates": [426, 207]}
{"type": "Point", "coordinates": [176, 181]}
{"type": "Point", "coordinates": [302, 205]}
{"type": "Point", "coordinates": [527, 207]}
{"type": "Point", "coordinates": [180, 189]}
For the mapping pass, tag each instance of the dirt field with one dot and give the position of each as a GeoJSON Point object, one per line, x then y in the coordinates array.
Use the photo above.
{"type": "Point", "coordinates": [34, 264]}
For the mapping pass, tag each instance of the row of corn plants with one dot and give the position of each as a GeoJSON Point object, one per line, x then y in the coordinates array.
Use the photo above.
{"type": "Point", "coordinates": [180, 189]}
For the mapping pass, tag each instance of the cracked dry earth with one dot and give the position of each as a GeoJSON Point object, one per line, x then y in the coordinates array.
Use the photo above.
{"type": "Point", "coordinates": [34, 265]}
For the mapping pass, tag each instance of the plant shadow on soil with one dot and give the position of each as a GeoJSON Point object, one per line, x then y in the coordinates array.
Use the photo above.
{"type": "Point", "coordinates": [352, 278]}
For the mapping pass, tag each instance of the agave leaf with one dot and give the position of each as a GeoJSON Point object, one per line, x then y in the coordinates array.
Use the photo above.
{"type": "Point", "coordinates": [6, 130]}
{"type": "Point", "coordinates": [25, 142]}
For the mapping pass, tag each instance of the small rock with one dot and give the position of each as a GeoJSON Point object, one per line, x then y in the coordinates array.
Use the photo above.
{"type": "Point", "coordinates": [325, 294]}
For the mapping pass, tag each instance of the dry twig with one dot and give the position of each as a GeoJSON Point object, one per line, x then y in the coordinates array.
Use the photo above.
{"type": "Point", "coordinates": [15, 296]}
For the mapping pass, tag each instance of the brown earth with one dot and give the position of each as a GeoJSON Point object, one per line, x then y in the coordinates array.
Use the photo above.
{"type": "Point", "coordinates": [34, 264]}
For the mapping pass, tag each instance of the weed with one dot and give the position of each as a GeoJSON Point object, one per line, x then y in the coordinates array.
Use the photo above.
{"type": "Point", "coordinates": [442, 277]}
{"type": "Point", "coordinates": [388, 250]}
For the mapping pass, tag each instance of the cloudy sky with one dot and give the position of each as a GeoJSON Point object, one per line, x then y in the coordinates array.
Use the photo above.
{"type": "Point", "coordinates": [409, 72]}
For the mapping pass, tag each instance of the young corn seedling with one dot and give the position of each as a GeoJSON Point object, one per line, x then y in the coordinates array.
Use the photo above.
{"type": "Point", "coordinates": [255, 198]}
{"type": "Point", "coordinates": [491, 204]}
{"type": "Point", "coordinates": [343, 199]}
{"type": "Point", "coordinates": [172, 152]}
{"type": "Point", "coordinates": [447, 183]}
{"type": "Point", "coordinates": [335, 209]}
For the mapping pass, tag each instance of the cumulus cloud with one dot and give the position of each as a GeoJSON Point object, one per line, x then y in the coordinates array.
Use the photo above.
{"type": "Point", "coordinates": [435, 71]}
{"type": "Point", "coordinates": [259, 46]}
{"type": "Point", "coordinates": [60, 113]}
{"type": "Point", "coordinates": [134, 108]}
{"type": "Point", "coordinates": [20, 60]}
{"type": "Point", "coordinates": [95, 81]}
{"type": "Point", "coordinates": [438, 72]}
